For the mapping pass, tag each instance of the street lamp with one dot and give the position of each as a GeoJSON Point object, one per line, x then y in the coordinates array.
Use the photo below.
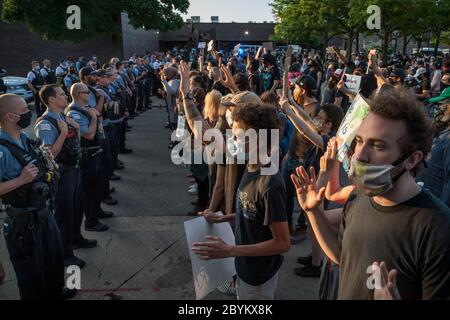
{"type": "Point", "coordinates": [247, 33]}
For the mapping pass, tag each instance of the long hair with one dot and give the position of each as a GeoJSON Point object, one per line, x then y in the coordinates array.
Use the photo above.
{"type": "Point", "coordinates": [212, 105]}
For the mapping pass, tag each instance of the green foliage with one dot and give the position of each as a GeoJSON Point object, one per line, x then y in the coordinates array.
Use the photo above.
{"type": "Point", "coordinates": [98, 17]}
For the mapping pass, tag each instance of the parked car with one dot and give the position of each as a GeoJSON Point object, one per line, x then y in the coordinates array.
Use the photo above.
{"type": "Point", "coordinates": [16, 85]}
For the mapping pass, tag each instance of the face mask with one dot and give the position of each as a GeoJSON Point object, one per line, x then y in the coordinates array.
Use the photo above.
{"type": "Point", "coordinates": [37, 68]}
{"type": "Point", "coordinates": [373, 180]}
{"type": "Point", "coordinates": [229, 117]}
{"type": "Point", "coordinates": [25, 120]}
{"type": "Point", "coordinates": [236, 147]}
{"type": "Point", "coordinates": [357, 63]}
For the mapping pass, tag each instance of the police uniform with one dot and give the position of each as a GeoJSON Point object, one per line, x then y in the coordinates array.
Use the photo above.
{"type": "Point", "coordinates": [67, 209]}
{"type": "Point", "coordinates": [37, 80]}
{"type": "Point", "coordinates": [137, 70]}
{"type": "Point", "coordinates": [49, 75]}
{"type": "Point", "coordinates": [31, 232]}
{"type": "Point", "coordinates": [110, 117]}
{"type": "Point", "coordinates": [90, 164]}
{"type": "Point", "coordinates": [69, 80]}
{"type": "Point", "coordinates": [61, 72]}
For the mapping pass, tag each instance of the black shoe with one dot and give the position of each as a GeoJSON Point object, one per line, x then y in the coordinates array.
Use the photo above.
{"type": "Point", "coordinates": [305, 260]}
{"type": "Point", "coordinates": [125, 151]}
{"type": "Point", "coordinates": [105, 215]}
{"type": "Point", "coordinates": [112, 190]}
{"type": "Point", "coordinates": [128, 130]}
{"type": "Point", "coordinates": [84, 244]}
{"type": "Point", "coordinates": [110, 201]}
{"type": "Point", "coordinates": [74, 261]}
{"type": "Point", "coordinates": [167, 126]}
{"type": "Point", "coordinates": [310, 271]}
{"type": "Point", "coordinates": [119, 167]}
{"type": "Point", "coordinates": [115, 177]}
{"type": "Point", "coordinates": [68, 294]}
{"type": "Point", "coordinates": [99, 227]}
{"type": "Point", "coordinates": [129, 127]}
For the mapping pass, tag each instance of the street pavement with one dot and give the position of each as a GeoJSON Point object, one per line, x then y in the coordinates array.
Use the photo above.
{"type": "Point", "coordinates": [144, 255]}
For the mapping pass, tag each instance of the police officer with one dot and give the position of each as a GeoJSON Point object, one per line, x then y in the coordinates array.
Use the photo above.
{"type": "Point", "coordinates": [110, 116]}
{"type": "Point", "coordinates": [28, 178]}
{"type": "Point", "coordinates": [48, 72]}
{"type": "Point", "coordinates": [70, 79]}
{"type": "Point", "coordinates": [92, 135]}
{"type": "Point", "coordinates": [61, 135]}
{"type": "Point", "coordinates": [61, 72]}
{"type": "Point", "coordinates": [140, 74]}
{"type": "Point", "coordinates": [35, 83]}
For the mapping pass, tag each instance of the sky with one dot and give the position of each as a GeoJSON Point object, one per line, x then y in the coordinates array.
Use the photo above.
{"type": "Point", "coordinates": [231, 10]}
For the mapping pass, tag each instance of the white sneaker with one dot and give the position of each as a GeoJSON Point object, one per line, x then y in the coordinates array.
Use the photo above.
{"type": "Point", "coordinates": [193, 191]}
{"type": "Point", "coordinates": [228, 288]}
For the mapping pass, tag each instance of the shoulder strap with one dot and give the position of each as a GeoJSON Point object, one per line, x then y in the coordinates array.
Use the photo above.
{"type": "Point", "coordinates": [23, 156]}
{"type": "Point", "coordinates": [80, 110]}
{"type": "Point", "coordinates": [53, 121]}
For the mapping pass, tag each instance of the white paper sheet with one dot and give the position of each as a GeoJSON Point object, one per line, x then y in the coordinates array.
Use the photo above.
{"type": "Point", "coordinates": [208, 275]}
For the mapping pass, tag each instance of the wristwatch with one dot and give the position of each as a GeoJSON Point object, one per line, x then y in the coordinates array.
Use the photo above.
{"type": "Point", "coordinates": [188, 96]}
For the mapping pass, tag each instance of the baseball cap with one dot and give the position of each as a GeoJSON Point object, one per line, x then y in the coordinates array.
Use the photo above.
{"type": "Point", "coordinates": [87, 71]}
{"type": "Point", "coordinates": [397, 72]}
{"type": "Point", "coordinates": [444, 96]}
{"type": "Point", "coordinates": [241, 99]}
{"type": "Point", "coordinates": [420, 72]}
{"type": "Point", "coordinates": [307, 83]}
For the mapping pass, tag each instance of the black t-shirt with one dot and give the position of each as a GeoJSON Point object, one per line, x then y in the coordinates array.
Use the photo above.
{"type": "Point", "coordinates": [268, 77]}
{"type": "Point", "coordinates": [422, 86]}
{"type": "Point", "coordinates": [260, 201]}
{"type": "Point", "coordinates": [413, 238]}
{"type": "Point", "coordinates": [255, 82]}
{"type": "Point", "coordinates": [314, 153]}
{"type": "Point", "coordinates": [221, 88]}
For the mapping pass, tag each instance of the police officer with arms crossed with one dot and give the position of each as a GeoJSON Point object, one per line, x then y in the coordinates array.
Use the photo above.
{"type": "Point", "coordinates": [61, 135]}
{"type": "Point", "coordinates": [48, 72]}
{"type": "Point", "coordinates": [35, 83]}
{"type": "Point", "coordinates": [91, 136]}
{"type": "Point", "coordinates": [28, 176]}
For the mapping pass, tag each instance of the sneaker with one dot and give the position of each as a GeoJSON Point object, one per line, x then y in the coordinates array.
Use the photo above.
{"type": "Point", "coordinates": [305, 260]}
{"type": "Point", "coordinates": [84, 244]}
{"type": "Point", "coordinates": [193, 191]}
{"type": "Point", "coordinates": [227, 288]}
{"type": "Point", "coordinates": [74, 261]}
{"type": "Point", "coordinates": [309, 271]}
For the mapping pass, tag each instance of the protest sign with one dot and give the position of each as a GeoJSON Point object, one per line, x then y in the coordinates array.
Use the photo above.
{"type": "Point", "coordinates": [353, 82]}
{"type": "Point", "coordinates": [202, 45]}
{"type": "Point", "coordinates": [208, 275]}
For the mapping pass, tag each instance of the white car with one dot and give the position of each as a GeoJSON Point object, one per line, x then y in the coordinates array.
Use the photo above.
{"type": "Point", "coordinates": [19, 86]}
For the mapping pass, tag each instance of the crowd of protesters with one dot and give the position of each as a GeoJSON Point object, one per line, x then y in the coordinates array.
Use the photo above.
{"type": "Point", "coordinates": [389, 215]}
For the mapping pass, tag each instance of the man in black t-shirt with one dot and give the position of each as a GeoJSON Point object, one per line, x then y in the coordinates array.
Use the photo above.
{"type": "Point", "coordinates": [262, 232]}
{"type": "Point", "coordinates": [270, 75]}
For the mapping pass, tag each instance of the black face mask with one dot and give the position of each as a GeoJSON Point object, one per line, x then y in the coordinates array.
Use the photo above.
{"type": "Point", "coordinates": [25, 120]}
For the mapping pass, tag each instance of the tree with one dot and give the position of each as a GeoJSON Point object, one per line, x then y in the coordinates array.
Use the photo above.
{"type": "Point", "coordinates": [99, 17]}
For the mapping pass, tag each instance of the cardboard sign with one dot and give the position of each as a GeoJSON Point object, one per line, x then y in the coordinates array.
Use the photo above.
{"type": "Point", "coordinates": [211, 45]}
{"type": "Point", "coordinates": [344, 53]}
{"type": "Point", "coordinates": [346, 133]}
{"type": "Point", "coordinates": [208, 275]}
{"type": "Point", "coordinates": [202, 45]}
{"type": "Point", "coordinates": [296, 48]}
{"type": "Point", "coordinates": [268, 45]}
{"type": "Point", "coordinates": [330, 50]}
{"type": "Point", "coordinates": [287, 65]}
{"type": "Point", "coordinates": [236, 49]}
{"type": "Point", "coordinates": [353, 82]}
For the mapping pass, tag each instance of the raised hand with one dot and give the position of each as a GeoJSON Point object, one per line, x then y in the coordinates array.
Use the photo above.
{"type": "Point", "coordinates": [385, 282]}
{"type": "Point", "coordinates": [329, 159]}
{"type": "Point", "coordinates": [309, 198]}
{"type": "Point", "coordinates": [228, 80]}
{"type": "Point", "coordinates": [184, 75]}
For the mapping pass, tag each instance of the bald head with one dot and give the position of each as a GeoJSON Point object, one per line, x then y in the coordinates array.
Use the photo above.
{"type": "Point", "coordinates": [80, 93]}
{"type": "Point", "coordinates": [11, 103]}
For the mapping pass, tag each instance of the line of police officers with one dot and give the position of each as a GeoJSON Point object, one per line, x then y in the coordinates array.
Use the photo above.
{"type": "Point", "coordinates": [46, 184]}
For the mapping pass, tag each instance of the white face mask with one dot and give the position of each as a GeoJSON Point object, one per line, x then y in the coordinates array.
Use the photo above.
{"type": "Point", "coordinates": [229, 117]}
{"type": "Point", "coordinates": [37, 68]}
{"type": "Point", "coordinates": [236, 147]}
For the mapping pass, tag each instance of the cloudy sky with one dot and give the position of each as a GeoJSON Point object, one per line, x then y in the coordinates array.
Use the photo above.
{"type": "Point", "coordinates": [232, 10]}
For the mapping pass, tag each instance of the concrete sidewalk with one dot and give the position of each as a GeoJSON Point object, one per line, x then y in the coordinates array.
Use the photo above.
{"type": "Point", "coordinates": [144, 255]}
